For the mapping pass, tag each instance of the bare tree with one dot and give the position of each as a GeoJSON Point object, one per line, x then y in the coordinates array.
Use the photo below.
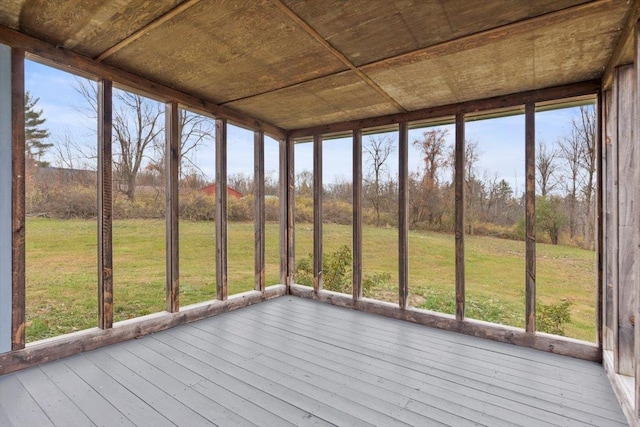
{"type": "Point", "coordinates": [578, 152]}
{"type": "Point", "coordinates": [70, 154]}
{"type": "Point", "coordinates": [546, 166]}
{"type": "Point", "coordinates": [474, 186]}
{"type": "Point", "coordinates": [584, 128]}
{"type": "Point", "coordinates": [379, 149]}
{"type": "Point", "coordinates": [138, 126]}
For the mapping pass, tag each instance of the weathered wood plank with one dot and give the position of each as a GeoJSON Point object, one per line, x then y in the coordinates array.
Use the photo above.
{"type": "Point", "coordinates": [530, 217]}
{"type": "Point", "coordinates": [499, 102]}
{"type": "Point", "coordinates": [317, 212]}
{"type": "Point", "coordinates": [283, 191]}
{"type": "Point", "coordinates": [259, 215]}
{"type": "Point", "coordinates": [477, 328]}
{"type": "Point", "coordinates": [18, 200]}
{"type": "Point", "coordinates": [291, 210]}
{"type": "Point", "coordinates": [600, 250]}
{"type": "Point", "coordinates": [105, 205]}
{"type": "Point", "coordinates": [172, 168]}
{"type": "Point", "coordinates": [78, 342]}
{"type": "Point", "coordinates": [613, 250]}
{"type": "Point", "coordinates": [620, 386]}
{"type": "Point", "coordinates": [221, 209]}
{"type": "Point", "coordinates": [64, 59]}
{"type": "Point", "coordinates": [357, 215]}
{"type": "Point", "coordinates": [403, 215]}
{"type": "Point", "coordinates": [459, 215]}
{"type": "Point", "coordinates": [626, 220]}
{"type": "Point", "coordinates": [636, 214]}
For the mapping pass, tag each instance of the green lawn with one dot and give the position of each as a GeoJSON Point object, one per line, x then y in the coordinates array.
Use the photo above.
{"type": "Point", "coordinates": [62, 265]}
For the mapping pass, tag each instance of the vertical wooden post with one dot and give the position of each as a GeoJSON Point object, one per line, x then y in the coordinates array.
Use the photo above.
{"type": "Point", "coordinates": [459, 214]}
{"type": "Point", "coordinates": [284, 187]}
{"type": "Point", "coordinates": [357, 215]}
{"type": "Point", "coordinates": [172, 170]}
{"type": "Point", "coordinates": [636, 142]}
{"type": "Point", "coordinates": [259, 220]}
{"type": "Point", "coordinates": [611, 127]}
{"type": "Point", "coordinates": [530, 217]}
{"type": "Point", "coordinates": [291, 210]}
{"type": "Point", "coordinates": [600, 251]}
{"type": "Point", "coordinates": [610, 234]}
{"type": "Point", "coordinates": [221, 209]}
{"type": "Point", "coordinates": [317, 213]}
{"type": "Point", "coordinates": [18, 201]}
{"type": "Point", "coordinates": [626, 220]}
{"type": "Point", "coordinates": [105, 205]}
{"type": "Point", "coordinates": [6, 197]}
{"type": "Point", "coordinates": [403, 215]}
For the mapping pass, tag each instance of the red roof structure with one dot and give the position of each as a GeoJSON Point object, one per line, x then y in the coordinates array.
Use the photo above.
{"type": "Point", "coordinates": [211, 190]}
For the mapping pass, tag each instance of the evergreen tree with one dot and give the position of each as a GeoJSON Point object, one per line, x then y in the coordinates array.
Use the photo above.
{"type": "Point", "coordinates": [35, 134]}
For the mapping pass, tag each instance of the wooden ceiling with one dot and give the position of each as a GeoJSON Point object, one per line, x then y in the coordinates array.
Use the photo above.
{"type": "Point", "coordinates": [301, 63]}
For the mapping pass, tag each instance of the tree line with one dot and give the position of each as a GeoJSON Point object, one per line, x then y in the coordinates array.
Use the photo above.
{"type": "Point", "coordinates": [565, 173]}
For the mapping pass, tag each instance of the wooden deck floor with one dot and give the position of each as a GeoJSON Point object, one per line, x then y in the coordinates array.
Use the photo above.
{"type": "Point", "coordinates": [292, 361]}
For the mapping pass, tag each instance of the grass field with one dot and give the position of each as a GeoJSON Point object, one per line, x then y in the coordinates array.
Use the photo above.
{"type": "Point", "coordinates": [62, 271]}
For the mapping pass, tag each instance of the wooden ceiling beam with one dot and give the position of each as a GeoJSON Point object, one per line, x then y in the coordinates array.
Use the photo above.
{"type": "Point", "coordinates": [468, 107]}
{"type": "Point", "coordinates": [315, 35]}
{"type": "Point", "coordinates": [493, 35]}
{"type": "Point", "coordinates": [625, 41]}
{"type": "Point", "coordinates": [146, 29]}
{"type": "Point", "coordinates": [78, 64]}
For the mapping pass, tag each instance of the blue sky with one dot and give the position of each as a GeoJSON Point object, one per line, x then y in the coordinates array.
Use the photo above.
{"type": "Point", "coordinates": [500, 141]}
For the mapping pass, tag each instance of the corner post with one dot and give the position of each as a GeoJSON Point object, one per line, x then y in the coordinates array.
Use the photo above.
{"type": "Point", "coordinates": [357, 215]}
{"type": "Point", "coordinates": [221, 209]}
{"type": "Point", "coordinates": [530, 217]}
{"type": "Point", "coordinates": [105, 205]}
{"type": "Point", "coordinates": [18, 200]}
{"type": "Point", "coordinates": [172, 170]}
{"type": "Point", "coordinates": [403, 215]}
{"type": "Point", "coordinates": [459, 215]}
{"type": "Point", "coordinates": [259, 210]}
{"type": "Point", "coordinates": [317, 213]}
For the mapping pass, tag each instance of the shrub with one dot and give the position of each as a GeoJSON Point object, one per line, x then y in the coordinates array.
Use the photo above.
{"type": "Point", "coordinates": [337, 212]}
{"type": "Point", "coordinates": [336, 270]}
{"type": "Point", "coordinates": [304, 271]}
{"type": "Point", "coordinates": [552, 318]}
{"type": "Point", "coordinates": [240, 210]}
{"type": "Point", "coordinates": [197, 206]}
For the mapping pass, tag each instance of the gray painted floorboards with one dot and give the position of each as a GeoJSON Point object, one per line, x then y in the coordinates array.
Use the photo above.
{"type": "Point", "coordinates": [292, 361]}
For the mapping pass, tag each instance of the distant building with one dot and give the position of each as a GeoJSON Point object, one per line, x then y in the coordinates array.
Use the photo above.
{"type": "Point", "coordinates": [211, 190]}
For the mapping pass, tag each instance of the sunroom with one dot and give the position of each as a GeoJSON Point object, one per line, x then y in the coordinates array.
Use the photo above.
{"type": "Point", "coordinates": [319, 213]}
